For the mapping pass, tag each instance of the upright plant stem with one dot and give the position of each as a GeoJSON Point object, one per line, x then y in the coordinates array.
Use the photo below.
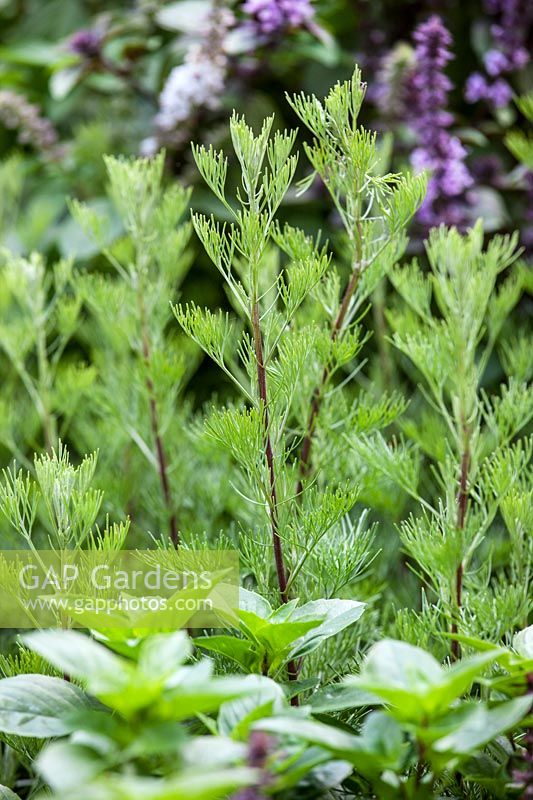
{"type": "Point", "coordinates": [155, 426]}
{"type": "Point", "coordinates": [462, 506]}
{"type": "Point", "coordinates": [380, 326]}
{"type": "Point", "coordinates": [273, 500]}
{"type": "Point", "coordinates": [293, 667]}
{"type": "Point", "coordinates": [48, 419]}
{"type": "Point", "coordinates": [317, 396]}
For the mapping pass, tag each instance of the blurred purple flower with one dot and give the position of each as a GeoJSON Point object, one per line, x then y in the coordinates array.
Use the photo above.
{"type": "Point", "coordinates": [259, 746]}
{"type": "Point", "coordinates": [476, 88]}
{"type": "Point", "coordinates": [275, 16]}
{"type": "Point", "coordinates": [33, 129]}
{"type": "Point", "coordinates": [438, 151]}
{"type": "Point", "coordinates": [86, 43]}
{"type": "Point", "coordinates": [500, 93]}
{"type": "Point", "coordinates": [508, 53]}
{"type": "Point", "coordinates": [198, 83]}
{"type": "Point", "coordinates": [510, 32]}
{"type": "Point", "coordinates": [495, 62]}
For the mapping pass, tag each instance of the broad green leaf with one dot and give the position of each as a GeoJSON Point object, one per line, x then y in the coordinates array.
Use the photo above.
{"type": "Point", "coordinates": [523, 642]}
{"type": "Point", "coordinates": [158, 739]}
{"type": "Point", "coordinates": [251, 601]}
{"type": "Point", "coordinates": [7, 794]}
{"type": "Point", "coordinates": [213, 751]}
{"type": "Point", "coordinates": [380, 746]}
{"type": "Point", "coordinates": [400, 674]}
{"type": "Point", "coordinates": [187, 700]}
{"type": "Point", "coordinates": [384, 742]}
{"type": "Point", "coordinates": [339, 697]}
{"type": "Point", "coordinates": [413, 682]}
{"type": "Point", "coordinates": [200, 785]}
{"type": "Point", "coordinates": [446, 723]}
{"type": "Point", "coordinates": [83, 658]}
{"type": "Point", "coordinates": [162, 654]}
{"type": "Point", "coordinates": [97, 720]}
{"type": "Point", "coordinates": [250, 623]}
{"type": "Point", "coordinates": [284, 612]}
{"type": "Point", "coordinates": [236, 716]}
{"type": "Point", "coordinates": [279, 638]}
{"type": "Point", "coordinates": [460, 677]}
{"type": "Point", "coordinates": [239, 650]}
{"type": "Point", "coordinates": [189, 785]}
{"type": "Point", "coordinates": [397, 665]}
{"type": "Point", "coordinates": [291, 632]}
{"type": "Point", "coordinates": [65, 765]}
{"type": "Point", "coordinates": [338, 615]}
{"type": "Point", "coordinates": [480, 727]}
{"type": "Point", "coordinates": [317, 768]}
{"type": "Point", "coordinates": [338, 741]}
{"type": "Point", "coordinates": [38, 705]}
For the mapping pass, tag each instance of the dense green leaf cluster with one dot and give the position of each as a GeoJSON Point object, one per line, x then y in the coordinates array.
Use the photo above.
{"type": "Point", "coordinates": [380, 498]}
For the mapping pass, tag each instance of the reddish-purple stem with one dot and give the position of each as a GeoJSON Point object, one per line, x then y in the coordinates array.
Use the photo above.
{"type": "Point", "coordinates": [273, 501]}
{"type": "Point", "coordinates": [293, 667]}
{"type": "Point", "coordinates": [161, 457]}
{"type": "Point", "coordinates": [462, 505]}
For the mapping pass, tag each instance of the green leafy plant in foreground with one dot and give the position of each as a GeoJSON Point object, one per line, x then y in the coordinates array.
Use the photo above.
{"type": "Point", "coordinates": [140, 739]}
{"type": "Point", "coordinates": [157, 731]}
{"type": "Point", "coordinates": [447, 329]}
{"type": "Point", "coordinates": [293, 332]}
{"type": "Point", "coordinates": [273, 639]}
{"type": "Point", "coordinates": [117, 749]}
{"type": "Point", "coordinates": [320, 462]}
{"type": "Point", "coordinates": [426, 734]}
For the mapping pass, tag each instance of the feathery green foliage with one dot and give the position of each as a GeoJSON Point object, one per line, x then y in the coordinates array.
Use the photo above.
{"type": "Point", "coordinates": [374, 489]}
{"type": "Point", "coordinates": [446, 329]}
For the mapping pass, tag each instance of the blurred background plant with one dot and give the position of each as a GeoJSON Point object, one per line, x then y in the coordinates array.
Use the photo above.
{"type": "Point", "coordinates": [85, 78]}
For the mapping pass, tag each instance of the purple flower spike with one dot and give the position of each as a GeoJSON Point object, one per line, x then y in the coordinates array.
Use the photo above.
{"type": "Point", "coordinates": [438, 151]}
{"type": "Point", "coordinates": [509, 31]}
